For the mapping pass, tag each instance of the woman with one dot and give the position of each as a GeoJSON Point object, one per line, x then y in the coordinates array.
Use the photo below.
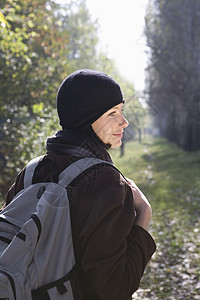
{"type": "Point", "coordinates": [109, 214]}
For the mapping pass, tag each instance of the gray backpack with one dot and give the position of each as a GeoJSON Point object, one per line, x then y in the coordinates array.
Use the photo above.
{"type": "Point", "coordinates": [36, 247]}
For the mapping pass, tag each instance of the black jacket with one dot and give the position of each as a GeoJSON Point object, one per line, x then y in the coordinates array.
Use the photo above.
{"type": "Point", "coordinates": [111, 252]}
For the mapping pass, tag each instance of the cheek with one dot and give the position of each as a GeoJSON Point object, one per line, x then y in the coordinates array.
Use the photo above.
{"type": "Point", "coordinates": [104, 128]}
{"type": "Point", "coordinates": [110, 127]}
{"type": "Point", "coordinates": [105, 133]}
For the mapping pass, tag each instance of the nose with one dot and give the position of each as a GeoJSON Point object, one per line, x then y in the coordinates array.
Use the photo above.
{"type": "Point", "coordinates": [124, 123]}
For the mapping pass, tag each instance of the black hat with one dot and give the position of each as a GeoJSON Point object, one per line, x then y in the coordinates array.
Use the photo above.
{"type": "Point", "coordinates": [84, 96]}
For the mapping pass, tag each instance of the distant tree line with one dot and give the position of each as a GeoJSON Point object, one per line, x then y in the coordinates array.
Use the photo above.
{"type": "Point", "coordinates": [173, 75]}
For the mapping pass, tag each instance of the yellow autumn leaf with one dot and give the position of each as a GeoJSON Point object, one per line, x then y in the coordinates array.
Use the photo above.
{"type": "Point", "coordinates": [2, 19]}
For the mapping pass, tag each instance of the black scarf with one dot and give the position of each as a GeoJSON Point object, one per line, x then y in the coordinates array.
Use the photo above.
{"type": "Point", "coordinates": [78, 144]}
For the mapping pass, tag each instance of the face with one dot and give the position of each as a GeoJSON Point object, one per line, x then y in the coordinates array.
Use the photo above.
{"type": "Point", "coordinates": [110, 126]}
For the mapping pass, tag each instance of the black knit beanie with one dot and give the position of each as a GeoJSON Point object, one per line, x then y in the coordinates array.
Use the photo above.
{"type": "Point", "coordinates": [84, 96]}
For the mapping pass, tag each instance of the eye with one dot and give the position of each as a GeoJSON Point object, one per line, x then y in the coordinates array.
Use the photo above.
{"type": "Point", "coordinates": [112, 114]}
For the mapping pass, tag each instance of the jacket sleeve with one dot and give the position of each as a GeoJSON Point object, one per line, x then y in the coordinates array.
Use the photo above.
{"type": "Point", "coordinates": [15, 188]}
{"type": "Point", "coordinates": [115, 252]}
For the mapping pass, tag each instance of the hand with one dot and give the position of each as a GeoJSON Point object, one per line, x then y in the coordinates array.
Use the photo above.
{"type": "Point", "coordinates": [142, 206]}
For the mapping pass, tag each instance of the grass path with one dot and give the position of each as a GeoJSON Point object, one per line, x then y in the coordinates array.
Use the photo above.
{"type": "Point", "coordinates": [170, 178]}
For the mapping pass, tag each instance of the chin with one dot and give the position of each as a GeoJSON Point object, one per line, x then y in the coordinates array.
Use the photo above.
{"type": "Point", "coordinates": [116, 145]}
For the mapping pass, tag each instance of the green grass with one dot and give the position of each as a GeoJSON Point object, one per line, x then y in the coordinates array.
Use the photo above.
{"type": "Point", "coordinates": [170, 178]}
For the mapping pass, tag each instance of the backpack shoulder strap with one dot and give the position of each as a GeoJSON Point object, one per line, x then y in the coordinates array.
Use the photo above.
{"type": "Point", "coordinates": [76, 168]}
{"type": "Point", "coordinates": [29, 171]}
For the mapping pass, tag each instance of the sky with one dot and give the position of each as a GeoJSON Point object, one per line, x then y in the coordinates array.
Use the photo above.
{"type": "Point", "coordinates": [121, 35]}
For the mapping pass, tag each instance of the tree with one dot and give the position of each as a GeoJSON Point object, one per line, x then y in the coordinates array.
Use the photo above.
{"type": "Point", "coordinates": [34, 59]}
{"type": "Point", "coordinates": [173, 83]}
{"type": "Point", "coordinates": [31, 59]}
{"type": "Point", "coordinates": [41, 43]}
{"type": "Point", "coordinates": [81, 49]}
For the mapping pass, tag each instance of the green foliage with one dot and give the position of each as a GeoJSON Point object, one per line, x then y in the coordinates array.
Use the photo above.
{"type": "Point", "coordinates": [81, 49]}
{"type": "Point", "coordinates": [170, 179]}
{"type": "Point", "coordinates": [41, 42]}
{"type": "Point", "coordinates": [24, 138]}
{"type": "Point", "coordinates": [31, 61]}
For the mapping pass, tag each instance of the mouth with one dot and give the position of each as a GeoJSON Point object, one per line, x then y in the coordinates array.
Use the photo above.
{"type": "Point", "coordinates": [118, 134]}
